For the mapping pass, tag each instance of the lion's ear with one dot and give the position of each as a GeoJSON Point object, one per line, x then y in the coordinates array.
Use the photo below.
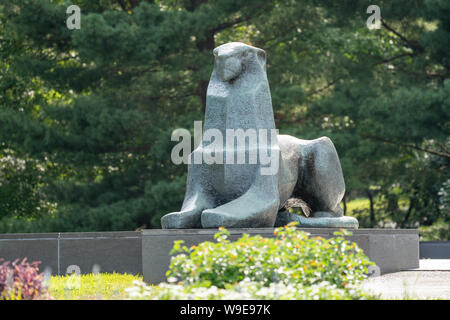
{"type": "Point", "coordinates": [261, 54]}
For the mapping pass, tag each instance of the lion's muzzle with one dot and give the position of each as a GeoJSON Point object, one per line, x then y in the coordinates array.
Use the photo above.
{"type": "Point", "coordinates": [228, 67]}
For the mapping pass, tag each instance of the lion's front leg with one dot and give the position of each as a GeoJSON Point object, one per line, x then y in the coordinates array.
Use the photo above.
{"type": "Point", "coordinates": [199, 196]}
{"type": "Point", "coordinates": [256, 208]}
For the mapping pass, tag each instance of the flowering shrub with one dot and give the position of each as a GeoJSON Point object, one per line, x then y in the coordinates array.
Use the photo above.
{"type": "Point", "coordinates": [289, 266]}
{"type": "Point", "coordinates": [291, 258]}
{"type": "Point", "coordinates": [21, 281]}
{"type": "Point", "coordinates": [244, 290]}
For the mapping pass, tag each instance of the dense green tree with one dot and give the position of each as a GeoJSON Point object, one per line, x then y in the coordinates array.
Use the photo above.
{"type": "Point", "coordinates": [95, 107]}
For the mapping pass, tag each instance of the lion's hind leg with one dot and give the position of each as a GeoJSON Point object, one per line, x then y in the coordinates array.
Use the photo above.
{"type": "Point", "coordinates": [321, 182]}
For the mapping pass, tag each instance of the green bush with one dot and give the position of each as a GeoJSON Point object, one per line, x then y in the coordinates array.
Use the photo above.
{"type": "Point", "coordinates": [289, 266]}
{"type": "Point", "coordinates": [438, 231]}
{"type": "Point", "coordinates": [145, 211]}
{"type": "Point", "coordinates": [291, 257]}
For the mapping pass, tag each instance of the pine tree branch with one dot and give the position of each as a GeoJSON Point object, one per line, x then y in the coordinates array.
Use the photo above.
{"type": "Point", "coordinates": [130, 4]}
{"type": "Point", "coordinates": [122, 5]}
{"type": "Point", "coordinates": [409, 146]}
{"type": "Point", "coordinates": [415, 45]}
{"type": "Point", "coordinates": [426, 74]}
{"type": "Point", "coordinates": [387, 60]}
{"type": "Point", "coordinates": [329, 84]}
{"type": "Point", "coordinates": [229, 24]}
{"type": "Point", "coordinates": [383, 61]}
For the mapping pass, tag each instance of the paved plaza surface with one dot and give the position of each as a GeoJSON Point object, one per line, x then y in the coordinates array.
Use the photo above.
{"type": "Point", "coordinates": [430, 281]}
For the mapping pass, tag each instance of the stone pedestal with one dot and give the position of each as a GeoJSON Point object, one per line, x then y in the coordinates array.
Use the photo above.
{"type": "Point", "coordinates": [76, 251]}
{"type": "Point", "coordinates": [391, 250]}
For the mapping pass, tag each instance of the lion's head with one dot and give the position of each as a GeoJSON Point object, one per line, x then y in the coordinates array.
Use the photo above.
{"type": "Point", "coordinates": [233, 58]}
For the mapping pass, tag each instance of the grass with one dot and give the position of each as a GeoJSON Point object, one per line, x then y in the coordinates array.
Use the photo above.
{"type": "Point", "coordinates": [357, 204]}
{"type": "Point", "coordinates": [101, 286]}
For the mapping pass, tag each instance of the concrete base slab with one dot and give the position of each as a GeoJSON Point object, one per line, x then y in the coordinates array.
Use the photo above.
{"type": "Point", "coordinates": [41, 247]}
{"type": "Point", "coordinates": [435, 250]}
{"type": "Point", "coordinates": [391, 250]}
{"type": "Point", "coordinates": [76, 251]}
{"type": "Point", "coordinates": [284, 217]}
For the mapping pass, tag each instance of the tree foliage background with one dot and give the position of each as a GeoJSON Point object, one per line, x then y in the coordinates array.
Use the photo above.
{"type": "Point", "coordinates": [86, 115]}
